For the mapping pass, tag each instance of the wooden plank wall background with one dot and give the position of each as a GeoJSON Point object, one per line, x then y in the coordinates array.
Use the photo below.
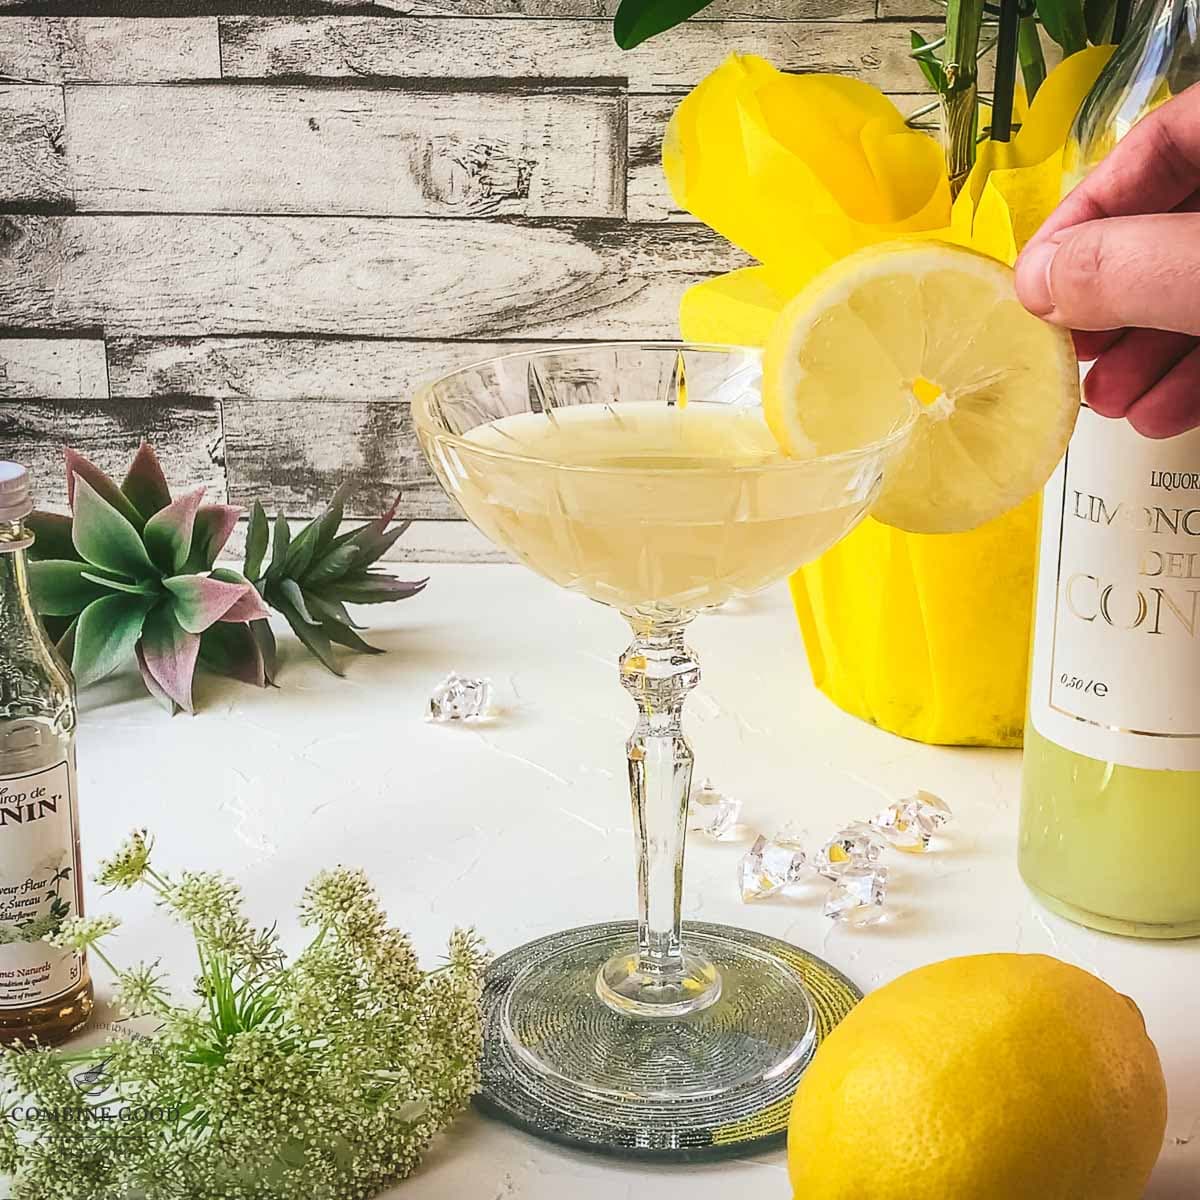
{"type": "Point", "coordinates": [246, 230]}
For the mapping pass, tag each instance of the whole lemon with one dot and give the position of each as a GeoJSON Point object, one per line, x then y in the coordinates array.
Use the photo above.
{"type": "Point", "coordinates": [991, 1077]}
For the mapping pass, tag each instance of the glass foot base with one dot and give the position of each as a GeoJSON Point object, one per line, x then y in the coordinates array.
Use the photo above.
{"type": "Point", "coordinates": [621, 985]}
{"type": "Point", "coordinates": [560, 1062]}
{"type": "Point", "coordinates": [1106, 924]}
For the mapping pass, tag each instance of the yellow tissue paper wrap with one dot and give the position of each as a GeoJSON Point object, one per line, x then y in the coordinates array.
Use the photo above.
{"type": "Point", "coordinates": [925, 636]}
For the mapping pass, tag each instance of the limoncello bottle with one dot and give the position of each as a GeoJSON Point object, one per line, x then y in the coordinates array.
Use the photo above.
{"type": "Point", "coordinates": [1110, 814]}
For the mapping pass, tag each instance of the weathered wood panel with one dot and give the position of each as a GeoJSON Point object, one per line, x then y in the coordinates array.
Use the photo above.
{"type": "Point", "coordinates": [108, 50]}
{"type": "Point", "coordinates": [53, 368]}
{"type": "Point", "coordinates": [279, 368]}
{"type": "Point", "coordinates": [190, 276]}
{"type": "Point", "coordinates": [760, 10]}
{"type": "Point", "coordinates": [33, 169]}
{"type": "Point", "coordinates": [397, 47]}
{"type": "Point", "coordinates": [294, 458]}
{"type": "Point", "coordinates": [379, 152]}
{"type": "Point", "coordinates": [647, 196]}
{"type": "Point", "coordinates": [907, 10]}
{"type": "Point", "coordinates": [186, 434]}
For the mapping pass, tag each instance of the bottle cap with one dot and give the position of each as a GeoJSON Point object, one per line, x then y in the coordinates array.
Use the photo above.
{"type": "Point", "coordinates": [15, 498]}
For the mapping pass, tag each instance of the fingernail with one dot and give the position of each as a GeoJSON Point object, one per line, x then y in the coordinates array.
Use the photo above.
{"type": "Point", "coordinates": [1033, 277]}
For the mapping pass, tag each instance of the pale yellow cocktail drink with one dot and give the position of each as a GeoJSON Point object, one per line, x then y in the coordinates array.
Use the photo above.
{"type": "Point", "coordinates": [647, 505]}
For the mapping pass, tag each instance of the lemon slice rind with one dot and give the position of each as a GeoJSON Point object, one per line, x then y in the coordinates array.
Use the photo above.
{"type": "Point", "coordinates": [1000, 388]}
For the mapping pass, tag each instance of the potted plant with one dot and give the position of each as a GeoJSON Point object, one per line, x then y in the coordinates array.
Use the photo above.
{"type": "Point", "coordinates": [926, 636]}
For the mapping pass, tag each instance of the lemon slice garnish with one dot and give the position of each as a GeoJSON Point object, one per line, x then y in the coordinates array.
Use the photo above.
{"type": "Point", "coordinates": [997, 388]}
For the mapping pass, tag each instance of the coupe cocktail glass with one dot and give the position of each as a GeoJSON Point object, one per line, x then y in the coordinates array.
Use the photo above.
{"type": "Point", "coordinates": [644, 476]}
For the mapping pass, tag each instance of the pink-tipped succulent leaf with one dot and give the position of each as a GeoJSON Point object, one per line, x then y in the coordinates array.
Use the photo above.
{"type": "Point", "coordinates": [131, 572]}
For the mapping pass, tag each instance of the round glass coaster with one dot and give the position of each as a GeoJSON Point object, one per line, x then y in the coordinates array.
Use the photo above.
{"type": "Point", "coordinates": [563, 1065]}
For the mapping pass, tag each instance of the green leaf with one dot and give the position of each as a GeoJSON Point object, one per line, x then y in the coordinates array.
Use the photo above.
{"type": "Point", "coordinates": [105, 538]}
{"type": "Point", "coordinates": [62, 587]}
{"type": "Point", "coordinates": [637, 20]}
{"type": "Point", "coordinates": [314, 638]}
{"type": "Point", "coordinates": [251, 607]}
{"type": "Point", "coordinates": [1063, 21]}
{"type": "Point", "coordinates": [327, 610]}
{"type": "Point", "coordinates": [199, 600]}
{"type": "Point", "coordinates": [1031, 56]}
{"type": "Point", "coordinates": [373, 589]}
{"type": "Point", "coordinates": [168, 533]}
{"type": "Point", "coordinates": [132, 588]}
{"type": "Point", "coordinates": [107, 632]}
{"type": "Point", "coordinates": [930, 67]}
{"type": "Point", "coordinates": [229, 575]}
{"type": "Point", "coordinates": [291, 589]}
{"type": "Point", "coordinates": [344, 636]}
{"type": "Point", "coordinates": [332, 565]}
{"type": "Point", "coordinates": [1098, 16]}
{"type": "Point", "coordinates": [377, 544]}
{"type": "Point", "coordinates": [79, 468]}
{"type": "Point", "coordinates": [168, 656]}
{"type": "Point", "coordinates": [300, 552]}
{"type": "Point", "coordinates": [256, 541]}
{"type": "Point", "coordinates": [230, 648]}
{"type": "Point", "coordinates": [51, 536]}
{"type": "Point", "coordinates": [331, 518]}
{"type": "Point", "coordinates": [317, 535]}
{"type": "Point", "coordinates": [144, 485]}
{"type": "Point", "coordinates": [266, 645]}
{"type": "Point", "coordinates": [370, 541]}
{"type": "Point", "coordinates": [210, 531]}
{"type": "Point", "coordinates": [280, 541]}
{"type": "Point", "coordinates": [380, 523]}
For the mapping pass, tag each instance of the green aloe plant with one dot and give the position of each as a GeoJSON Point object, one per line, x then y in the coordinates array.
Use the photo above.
{"type": "Point", "coordinates": [312, 577]}
{"type": "Point", "coordinates": [131, 571]}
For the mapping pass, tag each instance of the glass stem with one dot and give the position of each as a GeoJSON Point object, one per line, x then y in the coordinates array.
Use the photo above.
{"type": "Point", "coordinates": [661, 978]}
{"type": "Point", "coordinates": [658, 670]}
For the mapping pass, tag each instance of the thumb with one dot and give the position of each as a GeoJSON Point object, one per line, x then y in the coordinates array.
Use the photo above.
{"type": "Point", "coordinates": [1116, 272]}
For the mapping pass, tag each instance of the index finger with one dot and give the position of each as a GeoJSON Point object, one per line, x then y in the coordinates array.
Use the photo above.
{"type": "Point", "coordinates": [1154, 169]}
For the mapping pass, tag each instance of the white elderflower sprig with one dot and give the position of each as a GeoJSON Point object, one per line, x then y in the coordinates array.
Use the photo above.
{"type": "Point", "coordinates": [345, 901]}
{"type": "Point", "coordinates": [140, 991]}
{"type": "Point", "coordinates": [130, 863]}
{"type": "Point", "coordinates": [82, 933]}
{"type": "Point", "coordinates": [326, 1075]}
{"type": "Point", "coordinates": [211, 904]}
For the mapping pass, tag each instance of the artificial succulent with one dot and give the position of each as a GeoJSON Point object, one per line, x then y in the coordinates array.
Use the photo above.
{"type": "Point", "coordinates": [131, 571]}
{"type": "Point", "coordinates": [310, 578]}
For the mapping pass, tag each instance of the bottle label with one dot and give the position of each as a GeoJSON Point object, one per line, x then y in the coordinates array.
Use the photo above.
{"type": "Point", "coordinates": [39, 885]}
{"type": "Point", "coordinates": [1116, 657]}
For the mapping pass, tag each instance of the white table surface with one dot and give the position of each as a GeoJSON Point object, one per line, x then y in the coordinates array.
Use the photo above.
{"type": "Point", "coordinates": [522, 826]}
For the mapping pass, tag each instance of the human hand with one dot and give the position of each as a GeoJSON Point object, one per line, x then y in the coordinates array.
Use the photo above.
{"type": "Point", "coordinates": [1118, 262]}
